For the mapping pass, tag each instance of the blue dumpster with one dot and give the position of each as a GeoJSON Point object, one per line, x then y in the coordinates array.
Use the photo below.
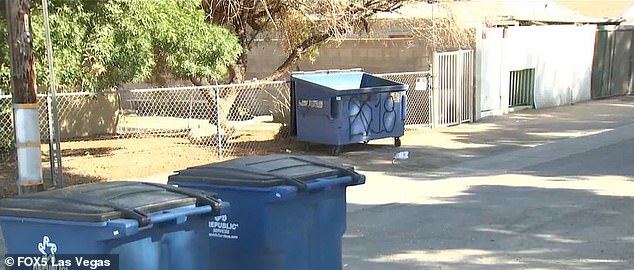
{"type": "Point", "coordinates": [349, 107]}
{"type": "Point", "coordinates": [148, 226]}
{"type": "Point", "coordinates": [287, 212]}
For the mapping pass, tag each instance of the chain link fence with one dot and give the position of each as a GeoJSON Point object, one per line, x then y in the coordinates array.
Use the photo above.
{"type": "Point", "coordinates": [228, 120]}
{"type": "Point", "coordinates": [140, 132]}
{"type": "Point", "coordinates": [6, 127]}
{"type": "Point", "coordinates": [419, 96]}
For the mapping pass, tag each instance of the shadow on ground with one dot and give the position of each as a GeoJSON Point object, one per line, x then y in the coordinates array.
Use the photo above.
{"type": "Point", "coordinates": [602, 161]}
{"type": "Point", "coordinates": [442, 147]}
{"type": "Point", "coordinates": [496, 227]}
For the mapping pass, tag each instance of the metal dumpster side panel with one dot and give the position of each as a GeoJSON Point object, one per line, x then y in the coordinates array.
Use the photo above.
{"type": "Point", "coordinates": [349, 119]}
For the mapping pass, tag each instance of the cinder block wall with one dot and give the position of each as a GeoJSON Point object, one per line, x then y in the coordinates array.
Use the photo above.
{"type": "Point", "coordinates": [373, 55]}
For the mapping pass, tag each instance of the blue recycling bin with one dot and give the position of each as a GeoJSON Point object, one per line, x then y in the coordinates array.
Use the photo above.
{"type": "Point", "coordinates": [348, 107]}
{"type": "Point", "coordinates": [287, 212]}
{"type": "Point", "coordinates": [148, 226]}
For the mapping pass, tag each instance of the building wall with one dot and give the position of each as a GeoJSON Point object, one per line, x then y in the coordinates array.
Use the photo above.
{"type": "Point", "coordinates": [561, 56]}
{"type": "Point", "coordinates": [490, 60]}
{"type": "Point", "coordinates": [373, 55]}
{"type": "Point", "coordinates": [85, 116]}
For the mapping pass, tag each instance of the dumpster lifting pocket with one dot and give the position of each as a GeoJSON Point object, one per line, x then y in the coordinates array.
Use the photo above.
{"type": "Point", "coordinates": [334, 107]}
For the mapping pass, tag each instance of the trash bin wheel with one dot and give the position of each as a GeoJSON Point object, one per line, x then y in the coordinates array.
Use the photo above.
{"type": "Point", "coordinates": [335, 150]}
{"type": "Point", "coordinates": [397, 141]}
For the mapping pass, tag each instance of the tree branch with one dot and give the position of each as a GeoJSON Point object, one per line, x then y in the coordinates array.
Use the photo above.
{"type": "Point", "coordinates": [356, 16]}
{"type": "Point", "coordinates": [296, 54]}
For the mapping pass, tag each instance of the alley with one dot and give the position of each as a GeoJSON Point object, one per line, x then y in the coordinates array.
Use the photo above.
{"type": "Point", "coordinates": [559, 204]}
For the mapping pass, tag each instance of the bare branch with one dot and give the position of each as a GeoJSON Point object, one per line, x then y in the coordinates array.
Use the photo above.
{"type": "Point", "coordinates": [302, 24]}
{"type": "Point", "coordinates": [296, 54]}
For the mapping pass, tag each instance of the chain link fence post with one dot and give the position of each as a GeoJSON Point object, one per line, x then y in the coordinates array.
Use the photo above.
{"type": "Point", "coordinates": [218, 127]}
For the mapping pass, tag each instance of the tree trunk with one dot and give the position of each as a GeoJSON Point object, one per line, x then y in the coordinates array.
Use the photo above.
{"type": "Point", "coordinates": [24, 96]}
{"type": "Point", "coordinates": [238, 70]}
{"type": "Point", "coordinates": [160, 68]}
{"type": "Point", "coordinates": [296, 54]}
{"type": "Point", "coordinates": [21, 51]}
{"type": "Point", "coordinates": [227, 96]}
{"type": "Point", "coordinates": [226, 99]}
{"type": "Point", "coordinates": [219, 113]}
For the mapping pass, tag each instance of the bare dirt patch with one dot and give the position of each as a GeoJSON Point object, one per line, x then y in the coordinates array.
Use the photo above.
{"type": "Point", "coordinates": [109, 158]}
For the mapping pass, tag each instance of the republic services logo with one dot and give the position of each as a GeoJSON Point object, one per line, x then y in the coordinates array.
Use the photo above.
{"type": "Point", "coordinates": [222, 218]}
{"type": "Point", "coordinates": [47, 247]}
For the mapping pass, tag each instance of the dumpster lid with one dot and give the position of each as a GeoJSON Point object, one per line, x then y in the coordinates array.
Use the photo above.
{"type": "Point", "coordinates": [265, 171]}
{"type": "Point", "coordinates": [105, 201]}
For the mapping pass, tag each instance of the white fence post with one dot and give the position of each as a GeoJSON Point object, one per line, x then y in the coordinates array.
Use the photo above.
{"type": "Point", "coordinates": [434, 90]}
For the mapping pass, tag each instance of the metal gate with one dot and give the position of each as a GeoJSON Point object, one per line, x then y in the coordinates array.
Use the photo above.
{"type": "Point", "coordinates": [613, 64]}
{"type": "Point", "coordinates": [453, 74]}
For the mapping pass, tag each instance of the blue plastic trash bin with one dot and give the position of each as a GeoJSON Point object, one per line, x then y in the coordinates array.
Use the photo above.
{"type": "Point", "coordinates": [149, 226]}
{"type": "Point", "coordinates": [349, 107]}
{"type": "Point", "coordinates": [287, 212]}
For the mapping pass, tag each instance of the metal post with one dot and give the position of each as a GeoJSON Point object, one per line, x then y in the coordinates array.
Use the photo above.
{"type": "Point", "coordinates": [191, 105]}
{"type": "Point", "coordinates": [53, 113]}
{"type": "Point", "coordinates": [433, 68]}
{"type": "Point", "coordinates": [511, 88]}
{"type": "Point", "coordinates": [430, 100]}
{"type": "Point", "coordinates": [458, 84]}
{"type": "Point", "coordinates": [531, 79]}
{"type": "Point", "coordinates": [471, 88]}
{"type": "Point", "coordinates": [434, 90]}
{"type": "Point", "coordinates": [630, 90]}
{"type": "Point", "coordinates": [25, 109]}
{"type": "Point", "coordinates": [218, 127]}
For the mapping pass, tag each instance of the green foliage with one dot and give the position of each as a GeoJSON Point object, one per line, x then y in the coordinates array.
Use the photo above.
{"type": "Point", "coordinates": [68, 31]}
{"type": "Point", "coordinates": [99, 44]}
{"type": "Point", "coordinates": [178, 37]}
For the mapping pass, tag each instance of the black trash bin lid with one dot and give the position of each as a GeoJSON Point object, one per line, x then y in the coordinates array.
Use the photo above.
{"type": "Point", "coordinates": [265, 171]}
{"type": "Point", "coordinates": [105, 201]}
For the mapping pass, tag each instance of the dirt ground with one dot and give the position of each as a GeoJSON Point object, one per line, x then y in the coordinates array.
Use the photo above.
{"type": "Point", "coordinates": [110, 158]}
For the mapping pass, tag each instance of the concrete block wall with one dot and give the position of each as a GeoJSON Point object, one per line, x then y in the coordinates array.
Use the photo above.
{"type": "Point", "coordinates": [373, 55]}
